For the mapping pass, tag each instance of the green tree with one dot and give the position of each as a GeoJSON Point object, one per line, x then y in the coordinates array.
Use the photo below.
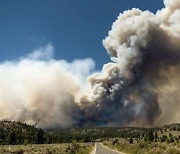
{"type": "Point", "coordinates": [40, 136]}
{"type": "Point", "coordinates": [164, 138]}
{"type": "Point", "coordinates": [150, 135]}
{"type": "Point", "coordinates": [156, 135]}
{"type": "Point", "coordinates": [174, 128]}
{"type": "Point", "coordinates": [12, 137]}
{"type": "Point", "coordinates": [161, 131]}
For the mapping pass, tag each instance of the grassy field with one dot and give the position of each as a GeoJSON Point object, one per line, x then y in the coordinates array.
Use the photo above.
{"type": "Point", "coordinates": [74, 148]}
{"type": "Point", "coordinates": [143, 147]}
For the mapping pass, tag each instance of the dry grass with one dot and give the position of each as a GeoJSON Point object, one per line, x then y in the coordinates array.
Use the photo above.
{"type": "Point", "coordinates": [143, 147]}
{"type": "Point", "coordinates": [78, 148]}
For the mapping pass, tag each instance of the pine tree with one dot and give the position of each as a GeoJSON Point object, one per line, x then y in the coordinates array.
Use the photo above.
{"type": "Point", "coordinates": [40, 136]}
{"type": "Point", "coordinates": [150, 135]}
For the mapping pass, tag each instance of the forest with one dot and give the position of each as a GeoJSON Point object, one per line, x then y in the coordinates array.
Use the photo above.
{"type": "Point", "coordinates": [17, 133]}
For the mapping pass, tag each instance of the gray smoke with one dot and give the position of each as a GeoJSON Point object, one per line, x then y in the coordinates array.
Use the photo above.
{"type": "Point", "coordinates": [139, 87]}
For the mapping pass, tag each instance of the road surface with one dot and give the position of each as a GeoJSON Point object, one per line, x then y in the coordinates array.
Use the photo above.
{"type": "Point", "coordinates": [100, 149]}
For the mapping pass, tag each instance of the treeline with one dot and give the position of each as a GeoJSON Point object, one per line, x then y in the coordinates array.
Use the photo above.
{"type": "Point", "coordinates": [20, 133]}
{"type": "Point", "coordinates": [151, 136]}
{"type": "Point", "coordinates": [105, 133]}
{"type": "Point", "coordinates": [92, 134]}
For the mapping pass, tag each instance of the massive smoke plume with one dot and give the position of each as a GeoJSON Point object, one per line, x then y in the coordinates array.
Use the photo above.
{"type": "Point", "coordinates": [141, 86]}
{"type": "Point", "coordinates": [40, 90]}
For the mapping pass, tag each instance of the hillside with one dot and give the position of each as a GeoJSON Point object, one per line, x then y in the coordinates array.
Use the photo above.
{"type": "Point", "coordinates": [20, 133]}
{"type": "Point", "coordinates": [99, 133]}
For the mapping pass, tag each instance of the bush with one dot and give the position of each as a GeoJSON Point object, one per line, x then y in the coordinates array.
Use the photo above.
{"type": "Point", "coordinates": [20, 151]}
{"type": "Point", "coordinates": [131, 141]}
{"type": "Point", "coordinates": [115, 141]}
{"type": "Point", "coordinates": [171, 139]}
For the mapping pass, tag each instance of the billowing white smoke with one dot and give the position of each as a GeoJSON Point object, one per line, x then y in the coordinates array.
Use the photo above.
{"type": "Point", "coordinates": [141, 86]}
{"type": "Point", "coordinates": [40, 90]}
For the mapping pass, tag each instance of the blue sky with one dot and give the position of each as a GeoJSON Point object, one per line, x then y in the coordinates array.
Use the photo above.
{"type": "Point", "coordinates": [74, 27]}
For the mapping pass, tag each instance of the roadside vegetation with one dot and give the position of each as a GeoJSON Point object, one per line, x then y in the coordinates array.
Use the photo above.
{"type": "Point", "coordinates": [144, 147]}
{"type": "Point", "coordinates": [155, 141]}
